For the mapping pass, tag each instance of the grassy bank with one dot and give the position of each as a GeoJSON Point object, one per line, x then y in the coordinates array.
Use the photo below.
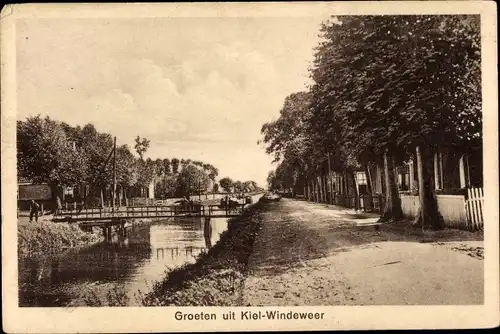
{"type": "Point", "coordinates": [45, 238]}
{"type": "Point", "coordinates": [215, 279]}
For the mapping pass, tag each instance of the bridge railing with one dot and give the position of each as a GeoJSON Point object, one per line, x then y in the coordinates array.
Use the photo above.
{"type": "Point", "coordinates": [153, 211]}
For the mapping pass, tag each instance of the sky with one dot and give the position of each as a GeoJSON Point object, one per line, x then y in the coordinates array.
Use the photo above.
{"type": "Point", "coordinates": [198, 88]}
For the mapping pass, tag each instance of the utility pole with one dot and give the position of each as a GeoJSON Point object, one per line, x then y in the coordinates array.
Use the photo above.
{"type": "Point", "coordinates": [330, 190]}
{"type": "Point", "coordinates": [114, 175]}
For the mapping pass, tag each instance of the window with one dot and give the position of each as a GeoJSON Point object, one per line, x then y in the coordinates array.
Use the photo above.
{"type": "Point", "coordinates": [361, 176]}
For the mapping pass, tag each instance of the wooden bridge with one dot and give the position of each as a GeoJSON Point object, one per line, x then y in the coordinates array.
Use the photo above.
{"type": "Point", "coordinates": [107, 219]}
{"type": "Point", "coordinates": [170, 211]}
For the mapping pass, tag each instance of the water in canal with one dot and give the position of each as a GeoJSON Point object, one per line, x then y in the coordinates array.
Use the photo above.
{"type": "Point", "coordinates": [129, 263]}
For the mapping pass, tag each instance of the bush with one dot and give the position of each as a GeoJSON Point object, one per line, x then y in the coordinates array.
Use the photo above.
{"type": "Point", "coordinates": [48, 237]}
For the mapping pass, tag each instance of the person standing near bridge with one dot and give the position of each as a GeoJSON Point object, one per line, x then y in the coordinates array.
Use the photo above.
{"type": "Point", "coordinates": [34, 209]}
{"type": "Point", "coordinates": [58, 206]}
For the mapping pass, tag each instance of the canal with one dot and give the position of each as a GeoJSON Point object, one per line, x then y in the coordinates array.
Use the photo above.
{"type": "Point", "coordinates": [127, 265]}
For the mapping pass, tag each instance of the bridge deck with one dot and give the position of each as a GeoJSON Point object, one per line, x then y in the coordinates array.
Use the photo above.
{"type": "Point", "coordinates": [106, 215]}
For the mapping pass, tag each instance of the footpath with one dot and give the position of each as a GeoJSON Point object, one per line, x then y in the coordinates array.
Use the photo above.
{"type": "Point", "coordinates": [315, 254]}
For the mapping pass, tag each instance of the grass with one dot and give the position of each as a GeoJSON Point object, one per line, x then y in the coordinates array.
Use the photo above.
{"type": "Point", "coordinates": [46, 238]}
{"type": "Point", "coordinates": [405, 228]}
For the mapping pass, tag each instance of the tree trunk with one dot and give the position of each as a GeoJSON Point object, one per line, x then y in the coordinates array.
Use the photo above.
{"type": "Point", "coordinates": [395, 171]}
{"type": "Point", "coordinates": [325, 186]}
{"type": "Point", "coordinates": [320, 187]}
{"type": "Point", "coordinates": [369, 196]}
{"type": "Point", "coordinates": [428, 214]}
{"type": "Point", "coordinates": [392, 208]}
{"type": "Point", "coordinates": [310, 190]}
{"type": "Point", "coordinates": [354, 189]}
{"type": "Point", "coordinates": [102, 198]}
{"type": "Point", "coordinates": [321, 190]}
{"type": "Point", "coordinates": [315, 191]}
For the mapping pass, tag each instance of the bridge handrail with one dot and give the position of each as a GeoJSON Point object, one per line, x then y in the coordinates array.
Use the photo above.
{"type": "Point", "coordinates": [152, 211]}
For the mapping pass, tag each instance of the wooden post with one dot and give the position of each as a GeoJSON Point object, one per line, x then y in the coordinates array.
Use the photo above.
{"type": "Point", "coordinates": [315, 190]}
{"type": "Point", "coordinates": [437, 178]}
{"type": "Point", "coordinates": [114, 176]}
{"type": "Point", "coordinates": [329, 179]}
{"type": "Point", "coordinates": [468, 170]}
{"type": "Point", "coordinates": [441, 169]}
{"type": "Point", "coordinates": [463, 183]}
{"type": "Point", "coordinates": [421, 189]}
{"type": "Point", "coordinates": [325, 182]}
{"type": "Point", "coordinates": [412, 173]}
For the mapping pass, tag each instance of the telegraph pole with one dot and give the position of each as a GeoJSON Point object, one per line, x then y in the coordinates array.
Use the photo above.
{"type": "Point", "coordinates": [330, 190]}
{"type": "Point", "coordinates": [114, 175]}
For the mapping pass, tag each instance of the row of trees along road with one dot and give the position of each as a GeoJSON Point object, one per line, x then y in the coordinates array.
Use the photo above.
{"type": "Point", "coordinates": [60, 155]}
{"type": "Point", "coordinates": [385, 89]}
{"type": "Point", "coordinates": [228, 185]}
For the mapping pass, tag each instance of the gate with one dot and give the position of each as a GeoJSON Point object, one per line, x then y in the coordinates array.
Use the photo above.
{"type": "Point", "coordinates": [474, 208]}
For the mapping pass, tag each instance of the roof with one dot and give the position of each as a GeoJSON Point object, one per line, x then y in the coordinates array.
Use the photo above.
{"type": "Point", "coordinates": [24, 180]}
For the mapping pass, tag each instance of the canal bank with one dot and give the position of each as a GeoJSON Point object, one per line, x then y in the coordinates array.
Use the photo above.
{"type": "Point", "coordinates": [45, 237]}
{"type": "Point", "coordinates": [82, 270]}
{"type": "Point", "coordinates": [216, 278]}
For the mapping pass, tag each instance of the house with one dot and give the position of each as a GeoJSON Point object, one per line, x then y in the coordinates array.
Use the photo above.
{"type": "Point", "coordinates": [453, 174]}
{"type": "Point", "coordinates": [27, 191]}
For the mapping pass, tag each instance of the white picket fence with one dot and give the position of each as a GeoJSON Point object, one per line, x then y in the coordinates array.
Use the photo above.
{"type": "Point", "coordinates": [474, 208]}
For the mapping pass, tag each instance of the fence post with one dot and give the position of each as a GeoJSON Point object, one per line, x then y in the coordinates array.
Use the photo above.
{"type": "Point", "coordinates": [481, 205]}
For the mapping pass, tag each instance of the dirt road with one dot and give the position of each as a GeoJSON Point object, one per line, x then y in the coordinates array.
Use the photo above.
{"type": "Point", "coordinates": [315, 254]}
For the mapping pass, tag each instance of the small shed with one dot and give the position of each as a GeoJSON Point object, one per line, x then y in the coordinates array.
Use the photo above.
{"type": "Point", "coordinates": [27, 191]}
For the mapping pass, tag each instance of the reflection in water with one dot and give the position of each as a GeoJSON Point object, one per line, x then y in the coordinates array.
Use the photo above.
{"type": "Point", "coordinates": [207, 233]}
{"type": "Point", "coordinates": [131, 262]}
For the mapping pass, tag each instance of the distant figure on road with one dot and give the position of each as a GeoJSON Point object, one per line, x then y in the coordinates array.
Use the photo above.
{"type": "Point", "coordinates": [34, 209]}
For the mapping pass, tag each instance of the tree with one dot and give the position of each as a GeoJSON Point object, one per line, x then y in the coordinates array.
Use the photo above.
{"type": "Point", "coordinates": [273, 182]}
{"type": "Point", "coordinates": [215, 188]}
{"type": "Point", "coordinates": [290, 140]}
{"type": "Point", "coordinates": [141, 146]}
{"type": "Point", "coordinates": [159, 167]}
{"type": "Point", "coordinates": [126, 170]}
{"type": "Point", "coordinates": [167, 166]}
{"type": "Point", "coordinates": [175, 165]}
{"type": "Point", "coordinates": [191, 181]}
{"type": "Point", "coordinates": [238, 186]}
{"type": "Point", "coordinates": [212, 172]}
{"type": "Point", "coordinates": [166, 186]}
{"type": "Point", "coordinates": [126, 167]}
{"type": "Point", "coordinates": [248, 186]}
{"type": "Point", "coordinates": [226, 183]}
{"type": "Point", "coordinates": [45, 155]}
{"type": "Point", "coordinates": [146, 172]}
{"type": "Point", "coordinates": [369, 99]}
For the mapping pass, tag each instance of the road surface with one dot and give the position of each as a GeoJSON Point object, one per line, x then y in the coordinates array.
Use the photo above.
{"type": "Point", "coordinates": [316, 254]}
